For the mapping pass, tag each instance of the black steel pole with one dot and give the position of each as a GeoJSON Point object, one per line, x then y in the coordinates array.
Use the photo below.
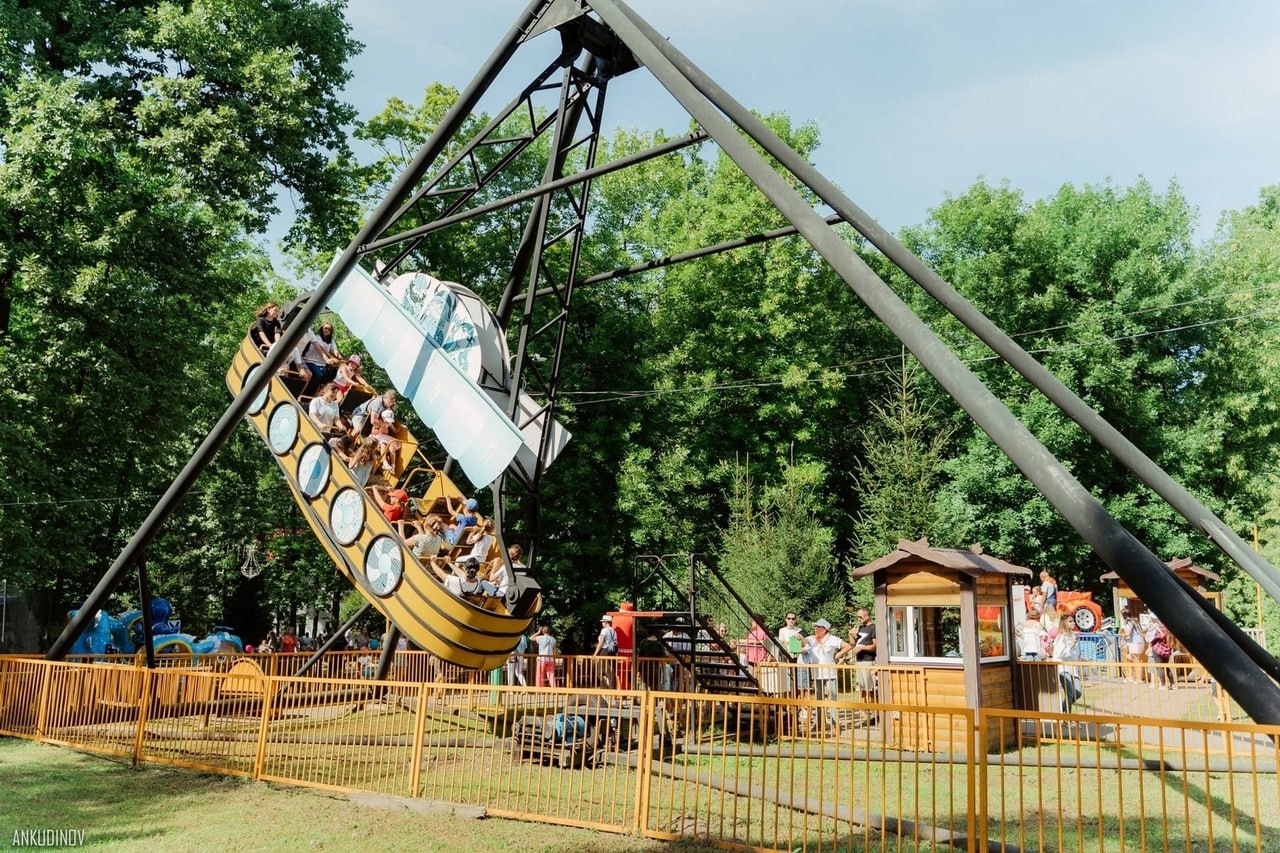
{"type": "Point", "coordinates": [1125, 452]}
{"type": "Point", "coordinates": [389, 642]}
{"type": "Point", "coordinates": [144, 597]}
{"type": "Point", "coordinates": [378, 221]}
{"type": "Point", "coordinates": [1146, 574]}
{"type": "Point", "coordinates": [332, 641]}
{"type": "Point", "coordinates": [533, 227]}
{"type": "Point", "coordinates": [537, 192]}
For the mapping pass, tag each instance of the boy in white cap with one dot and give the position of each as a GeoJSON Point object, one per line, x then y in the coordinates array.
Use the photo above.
{"type": "Point", "coordinates": [825, 648]}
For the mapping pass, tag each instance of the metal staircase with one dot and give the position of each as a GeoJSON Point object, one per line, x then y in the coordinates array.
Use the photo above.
{"type": "Point", "coordinates": [699, 618]}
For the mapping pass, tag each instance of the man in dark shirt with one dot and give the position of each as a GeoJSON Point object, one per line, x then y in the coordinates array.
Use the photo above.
{"type": "Point", "coordinates": [864, 652]}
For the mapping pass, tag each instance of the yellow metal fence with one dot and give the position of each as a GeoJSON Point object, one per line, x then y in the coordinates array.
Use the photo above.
{"type": "Point", "coordinates": [762, 772]}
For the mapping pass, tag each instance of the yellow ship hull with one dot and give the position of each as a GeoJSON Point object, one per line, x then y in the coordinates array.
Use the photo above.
{"type": "Point", "coordinates": [426, 613]}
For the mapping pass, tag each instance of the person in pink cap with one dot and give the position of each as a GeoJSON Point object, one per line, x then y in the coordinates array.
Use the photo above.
{"type": "Point", "coordinates": [349, 374]}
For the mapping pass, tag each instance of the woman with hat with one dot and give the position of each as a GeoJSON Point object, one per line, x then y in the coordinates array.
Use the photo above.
{"type": "Point", "coordinates": [606, 646]}
{"type": "Point", "coordinates": [825, 648]}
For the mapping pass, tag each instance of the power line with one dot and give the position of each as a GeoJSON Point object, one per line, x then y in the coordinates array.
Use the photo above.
{"type": "Point", "coordinates": [765, 382]}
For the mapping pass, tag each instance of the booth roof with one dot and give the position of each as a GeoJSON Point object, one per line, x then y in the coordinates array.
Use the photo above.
{"type": "Point", "coordinates": [969, 560]}
{"type": "Point", "coordinates": [1175, 566]}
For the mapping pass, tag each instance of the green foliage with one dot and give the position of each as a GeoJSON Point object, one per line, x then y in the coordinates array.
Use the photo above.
{"type": "Point", "coordinates": [899, 473]}
{"type": "Point", "coordinates": [775, 552]}
{"type": "Point", "coordinates": [1102, 284]}
{"type": "Point", "coordinates": [140, 146]}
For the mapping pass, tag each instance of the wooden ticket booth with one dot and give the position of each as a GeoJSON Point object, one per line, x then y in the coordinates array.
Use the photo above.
{"type": "Point", "coordinates": [946, 612]}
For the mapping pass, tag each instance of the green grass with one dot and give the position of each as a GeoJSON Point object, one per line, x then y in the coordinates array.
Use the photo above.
{"type": "Point", "coordinates": [167, 809]}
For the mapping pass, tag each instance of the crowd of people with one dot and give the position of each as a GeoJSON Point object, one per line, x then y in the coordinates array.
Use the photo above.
{"type": "Point", "coordinates": [457, 545]}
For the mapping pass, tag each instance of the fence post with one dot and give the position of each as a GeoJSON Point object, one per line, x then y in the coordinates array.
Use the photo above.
{"type": "Point", "coordinates": [46, 675]}
{"type": "Point", "coordinates": [419, 727]}
{"type": "Point", "coordinates": [644, 762]}
{"type": "Point", "coordinates": [979, 758]}
{"type": "Point", "coordinates": [144, 705]}
{"type": "Point", "coordinates": [268, 697]}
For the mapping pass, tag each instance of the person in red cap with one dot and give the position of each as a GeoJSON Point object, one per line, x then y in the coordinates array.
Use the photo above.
{"type": "Point", "coordinates": [393, 503]}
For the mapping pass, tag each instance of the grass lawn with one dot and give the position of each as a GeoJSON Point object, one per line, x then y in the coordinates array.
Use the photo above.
{"type": "Point", "coordinates": [166, 809]}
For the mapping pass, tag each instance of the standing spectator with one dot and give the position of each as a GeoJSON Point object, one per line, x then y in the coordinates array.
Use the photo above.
{"type": "Point", "coordinates": [1159, 650]}
{"type": "Point", "coordinates": [1066, 648]}
{"type": "Point", "coordinates": [754, 644]}
{"type": "Point", "coordinates": [606, 646]}
{"type": "Point", "coordinates": [1049, 588]}
{"type": "Point", "coordinates": [791, 638]}
{"type": "Point", "coordinates": [652, 662]}
{"type": "Point", "coordinates": [1031, 636]}
{"type": "Point", "coordinates": [825, 647]}
{"type": "Point", "coordinates": [1135, 648]}
{"type": "Point", "coordinates": [545, 674]}
{"type": "Point", "coordinates": [515, 663]}
{"type": "Point", "coordinates": [289, 642]}
{"type": "Point", "coordinates": [864, 654]}
{"type": "Point", "coordinates": [677, 640]}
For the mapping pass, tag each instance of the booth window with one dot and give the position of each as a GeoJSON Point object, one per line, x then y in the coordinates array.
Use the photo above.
{"type": "Point", "coordinates": [993, 632]}
{"type": "Point", "coordinates": [921, 633]}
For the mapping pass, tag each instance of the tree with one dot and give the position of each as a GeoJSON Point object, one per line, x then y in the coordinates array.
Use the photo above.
{"type": "Point", "coordinates": [900, 472]}
{"type": "Point", "coordinates": [139, 148]}
{"type": "Point", "coordinates": [1241, 456]}
{"type": "Point", "coordinates": [1100, 283]}
{"type": "Point", "coordinates": [775, 552]}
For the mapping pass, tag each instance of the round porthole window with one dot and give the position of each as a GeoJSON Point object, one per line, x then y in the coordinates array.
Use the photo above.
{"type": "Point", "coordinates": [313, 470]}
{"type": "Point", "coordinates": [383, 565]}
{"type": "Point", "coordinates": [346, 516]}
{"type": "Point", "coordinates": [256, 404]}
{"type": "Point", "coordinates": [282, 427]}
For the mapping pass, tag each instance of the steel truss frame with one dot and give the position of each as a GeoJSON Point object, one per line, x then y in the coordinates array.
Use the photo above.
{"type": "Point", "coordinates": [614, 39]}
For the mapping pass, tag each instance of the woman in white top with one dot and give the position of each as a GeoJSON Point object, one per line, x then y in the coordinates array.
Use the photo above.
{"type": "Point", "coordinates": [481, 540]}
{"type": "Point", "coordinates": [1066, 648]}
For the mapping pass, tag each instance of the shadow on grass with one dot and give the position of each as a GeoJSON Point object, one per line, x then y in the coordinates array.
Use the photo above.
{"type": "Point", "coordinates": [49, 787]}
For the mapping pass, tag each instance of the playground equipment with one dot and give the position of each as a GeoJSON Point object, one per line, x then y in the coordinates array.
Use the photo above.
{"type": "Point", "coordinates": [125, 635]}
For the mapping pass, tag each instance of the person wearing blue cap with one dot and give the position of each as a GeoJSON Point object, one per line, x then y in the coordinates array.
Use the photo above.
{"type": "Point", "coordinates": [464, 517]}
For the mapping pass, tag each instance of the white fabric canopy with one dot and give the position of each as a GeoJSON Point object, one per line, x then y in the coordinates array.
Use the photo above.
{"type": "Point", "coordinates": [470, 426]}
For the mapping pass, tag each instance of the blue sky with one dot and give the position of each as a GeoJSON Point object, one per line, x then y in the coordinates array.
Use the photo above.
{"type": "Point", "coordinates": [919, 98]}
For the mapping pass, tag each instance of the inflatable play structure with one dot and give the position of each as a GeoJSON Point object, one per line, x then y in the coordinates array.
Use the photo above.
{"type": "Point", "coordinates": [124, 635]}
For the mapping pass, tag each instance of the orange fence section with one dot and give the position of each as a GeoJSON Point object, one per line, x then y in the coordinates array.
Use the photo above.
{"type": "Point", "coordinates": [780, 772]}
